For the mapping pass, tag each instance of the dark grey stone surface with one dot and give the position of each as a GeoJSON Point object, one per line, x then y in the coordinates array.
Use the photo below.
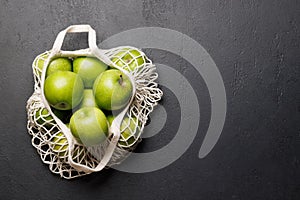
{"type": "Point", "coordinates": [255, 44]}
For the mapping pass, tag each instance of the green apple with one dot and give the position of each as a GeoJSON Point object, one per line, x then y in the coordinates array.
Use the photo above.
{"type": "Point", "coordinates": [43, 117]}
{"type": "Point", "coordinates": [41, 62]}
{"type": "Point", "coordinates": [129, 57]}
{"type": "Point", "coordinates": [59, 64]}
{"type": "Point", "coordinates": [63, 90]}
{"type": "Point", "coordinates": [88, 99]}
{"type": "Point", "coordinates": [127, 138]}
{"type": "Point", "coordinates": [88, 69]}
{"type": "Point", "coordinates": [63, 115]}
{"type": "Point", "coordinates": [89, 126]}
{"type": "Point", "coordinates": [60, 144]}
{"type": "Point", "coordinates": [110, 119]}
{"type": "Point", "coordinates": [112, 90]}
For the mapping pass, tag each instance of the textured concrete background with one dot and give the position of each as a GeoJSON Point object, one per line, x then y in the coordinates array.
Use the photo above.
{"type": "Point", "coordinates": [255, 44]}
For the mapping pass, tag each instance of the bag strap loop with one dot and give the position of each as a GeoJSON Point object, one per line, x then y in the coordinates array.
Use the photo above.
{"type": "Point", "coordinates": [75, 29]}
{"type": "Point", "coordinates": [56, 49]}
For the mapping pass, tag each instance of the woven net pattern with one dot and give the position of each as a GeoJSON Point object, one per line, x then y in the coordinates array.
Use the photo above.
{"type": "Point", "coordinates": [51, 137]}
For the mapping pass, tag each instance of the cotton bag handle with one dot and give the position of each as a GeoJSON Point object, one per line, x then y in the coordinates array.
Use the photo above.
{"type": "Point", "coordinates": [75, 29]}
{"type": "Point", "coordinates": [115, 127]}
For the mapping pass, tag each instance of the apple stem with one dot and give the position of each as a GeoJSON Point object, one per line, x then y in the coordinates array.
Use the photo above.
{"type": "Point", "coordinates": [121, 80]}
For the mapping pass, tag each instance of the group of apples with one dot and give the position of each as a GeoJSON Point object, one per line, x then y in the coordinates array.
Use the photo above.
{"type": "Point", "coordinates": [84, 92]}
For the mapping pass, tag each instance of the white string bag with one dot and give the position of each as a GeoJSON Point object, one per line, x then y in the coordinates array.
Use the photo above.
{"type": "Point", "coordinates": [53, 139]}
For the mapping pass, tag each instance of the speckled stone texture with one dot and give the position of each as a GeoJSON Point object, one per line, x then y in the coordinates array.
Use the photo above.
{"type": "Point", "coordinates": [255, 45]}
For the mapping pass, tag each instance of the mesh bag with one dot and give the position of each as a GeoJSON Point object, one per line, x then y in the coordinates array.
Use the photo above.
{"type": "Point", "coordinates": [53, 139]}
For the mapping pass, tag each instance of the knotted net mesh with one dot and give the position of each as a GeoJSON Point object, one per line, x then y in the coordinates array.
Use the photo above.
{"type": "Point", "coordinates": [51, 137]}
